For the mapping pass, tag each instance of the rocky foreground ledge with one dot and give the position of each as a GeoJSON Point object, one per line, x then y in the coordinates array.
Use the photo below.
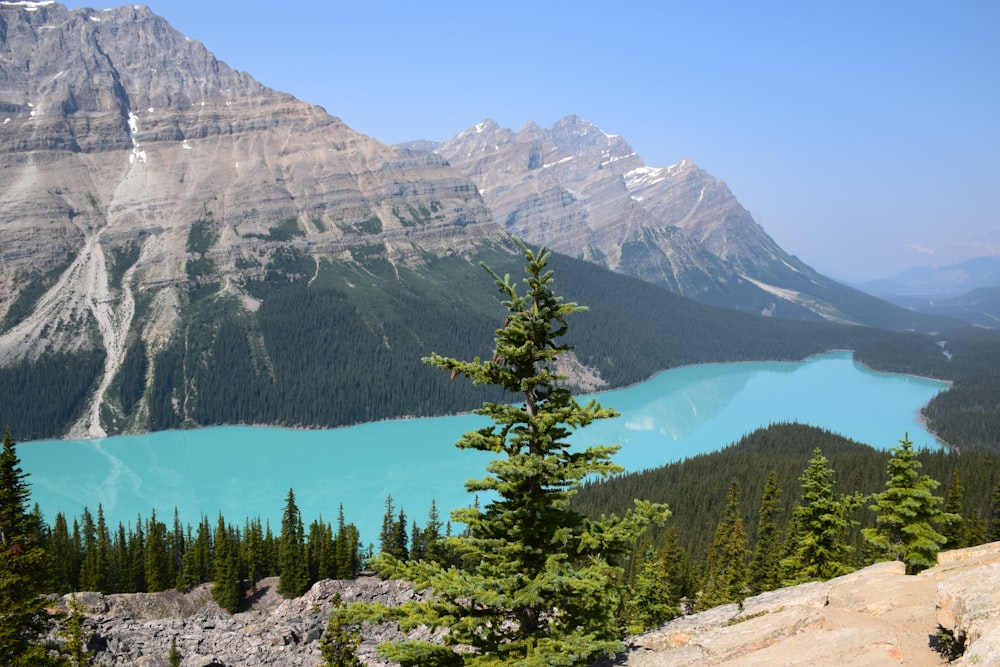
{"type": "Point", "coordinates": [873, 617]}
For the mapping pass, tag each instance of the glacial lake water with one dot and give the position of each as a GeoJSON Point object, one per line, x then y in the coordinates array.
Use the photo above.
{"type": "Point", "coordinates": [246, 471]}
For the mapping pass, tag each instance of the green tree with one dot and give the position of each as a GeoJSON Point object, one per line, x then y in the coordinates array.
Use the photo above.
{"type": "Point", "coordinates": [340, 639]}
{"type": "Point", "coordinates": [75, 636]}
{"type": "Point", "coordinates": [156, 561]}
{"type": "Point", "coordinates": [393, 539]}
{"type": "Point", "coordinates": [174, 657]}
{"type": "Point", "coordinates": [955, 532]}
{"type": "Point", "coordinates": [104, 561]}
{"type": "Point", "coordinates": [651, 599]}
{"type": "Point", "coordinates": [993, 520]}
{"type": "Point", "coordinates": [63, 557]}
{"type": "Point", "coordinates": [227, 587]}
{"type": "Point", "coordinates": [820, 549]}
{"type": "Point", "coordinates": [293, 570]}
{"type": "Point", "coordinates": [765, 573]}
{"type": "Point", "coordinates": [538, 586]}
{"type": "Point", "coordinates": [252, 554]}
{"type": "Point", "coordinates": [726, 565]}
{"type": "Point", "coordinates": [90, 572]}
{"type": "Point", "coordinates": [907, 511]}
{"type": "Point", "coordinates": [24, 621]}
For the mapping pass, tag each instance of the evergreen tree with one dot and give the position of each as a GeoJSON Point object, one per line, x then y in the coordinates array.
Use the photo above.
{"type": "Point", "coordinates": [320, 550]}
{"type": "Point", "coordinates": [174, 657]}
{"type": "Point", "coordinates": [75, 636]}
{"type": "Point", "coordinates": [651, 601]}
{"type": "Point", "coordinates": [677, 570]}
{"type": "Point", "coordinates": [392, 538]}
{"type": "Point", "coordinates": [819, 550]}
{"type": "Point", "coordinates": [340, 640]}
{"type": "Point", "coordinates": [104, 563]}
{"type": "Point", "coordinates": [726, 577]}
{"type": "Point", "coordinates": [123, 582]}
{"type": "Point", "coordinates": [24, 621]}
{"type": "Point", "coordinates": [253, 552]}
{"type": "Point", "coordinates": [906, 513]}
{"type": "Point", "coordinates": [418, 545]}
{"type": "Point", "coordinates": [155, 561]}
{"type": "Point", "coordinates": [956, 532]}
{"type": "Point", "coordinates": [201, 553]}
{"type": "Point", "coordinates": [765, 573]}
{"type": "Point", "coordinates": [90, 575]}
{"type": "Point", "coordinates": [227, 588]}
{"type": "Point", "coordinates": [137, 558]}
{"type": "Point", "coordinates": [346, 544]}
{"type": "Point", "coordinates": [432, 535]}
{"type": "Point", "coordinates": [293, 572]}
{"type": "Point", "coordinates": [993, 521]}
{"type": "Point", "coordinates": [539, 582]}
{"type": "Point", "coordinates": [178, 545]}
{"type": "Point", "coordinates": [63, 557]}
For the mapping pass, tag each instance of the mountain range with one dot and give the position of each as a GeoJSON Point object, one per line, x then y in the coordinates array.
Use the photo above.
{"type": "Point", "coordinates": [162, 213]}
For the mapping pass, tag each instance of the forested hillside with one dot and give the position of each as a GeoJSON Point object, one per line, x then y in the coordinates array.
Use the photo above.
{"type": "Point", "coordinates": [696, 488]}
{"type": "Point", "coordinates": [329, 343]}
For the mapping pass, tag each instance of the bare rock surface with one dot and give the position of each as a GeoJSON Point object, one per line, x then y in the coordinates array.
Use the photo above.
{"type": "Point", "coordinates": [873, 617]}
{"type": "Point", "coordinates": [137, 629]}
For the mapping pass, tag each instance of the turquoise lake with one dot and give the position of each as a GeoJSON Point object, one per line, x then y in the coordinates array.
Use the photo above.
{"type": "Point", "coordinates": [246, 471]}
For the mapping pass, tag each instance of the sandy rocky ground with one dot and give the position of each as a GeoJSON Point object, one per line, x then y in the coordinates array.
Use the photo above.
{"type": "Point", "coordinates": [874, 617]}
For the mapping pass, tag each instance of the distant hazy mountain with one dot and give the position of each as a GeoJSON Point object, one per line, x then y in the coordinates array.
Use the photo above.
{"type": "Point", "coordinates": [586, 193]}
{"type": "Point", "coordinates": [968, 290]}
{"type": "Point", "coordinates": [948, 280]}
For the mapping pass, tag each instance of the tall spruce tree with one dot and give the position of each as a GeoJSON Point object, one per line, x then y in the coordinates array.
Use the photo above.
{"type": "Point", "coordinates": [651, 600]}
{"type": "Point", "coordinates": [955, 532]}
{"type": "Point", "coordinates": [156, 562]}
{"type": "Point", "coordinates": [75, 636]}
{"type": "Point", "coordinates": [293, 568]}
{"type": "Point", "coordinates": [765, 573]}
{"type": "Point", "coordinates": [907, 512]}
{"type": "Point", "coordinates": [538, 584]}
{"type": "Point", "coordinates": [227, 586]}
{"type": "Point", "coordinates": [726, 564]}
{"type": "Point", "coordinates": [821, 520]}
{"type": "Point", "coordinates": [24, 621]}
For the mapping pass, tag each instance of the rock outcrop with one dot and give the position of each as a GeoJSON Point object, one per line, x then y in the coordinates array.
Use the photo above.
{"type": "Point", "coordinates": [137, 629]}
{"type": "Point", "coordinates": [873, 617]}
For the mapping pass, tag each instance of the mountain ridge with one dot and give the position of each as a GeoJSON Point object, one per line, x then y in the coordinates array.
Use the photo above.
{"type": "Point", "coordinates": [587, 193]}
{"type": "Point", "coordinates": [159, 210]}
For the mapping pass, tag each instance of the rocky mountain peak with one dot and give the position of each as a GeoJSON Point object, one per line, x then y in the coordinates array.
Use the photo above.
{"type": "Point", "coordinates": [587, 193]}
{"type": "Point", "coordinates": [133, 161]}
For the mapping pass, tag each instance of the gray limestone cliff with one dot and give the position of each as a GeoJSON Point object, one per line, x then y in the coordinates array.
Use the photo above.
{"type": "Point", "coordinates": [115, 128]}
{"type": "Point", "coordinates": [135, 167]}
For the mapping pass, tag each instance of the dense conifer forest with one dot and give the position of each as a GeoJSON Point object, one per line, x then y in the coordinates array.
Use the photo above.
{"type": "Point", "coordinates": [340, 342]}
{"type": "Point", "coordinates": [696, 491]}
{"type": "Point", "coordinates": [157, 553]}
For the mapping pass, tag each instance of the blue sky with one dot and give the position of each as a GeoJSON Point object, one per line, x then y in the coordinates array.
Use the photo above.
{"type": "Point", "coordinates": [863, 136]}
